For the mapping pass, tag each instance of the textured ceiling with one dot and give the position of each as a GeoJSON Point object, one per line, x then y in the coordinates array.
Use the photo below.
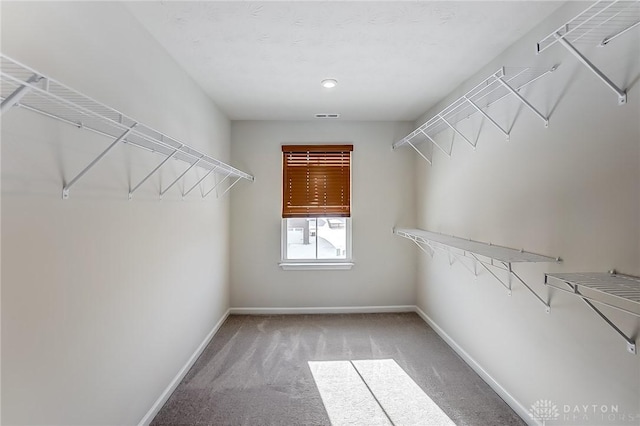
{"type": "Point", "coordinates": [392, 60]}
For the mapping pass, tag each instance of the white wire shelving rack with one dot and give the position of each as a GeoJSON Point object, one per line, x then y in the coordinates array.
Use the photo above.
{"type": "Point", "coordinates": [502, 83]}
{"type": "Point", "coordinates": [598, 25]}
{"type": "Point", "coordinates": [617, 291]}
{"type": "Point", "coordinates": [485, 255]}
{"type": "Point", "coordinates": [23, 87]}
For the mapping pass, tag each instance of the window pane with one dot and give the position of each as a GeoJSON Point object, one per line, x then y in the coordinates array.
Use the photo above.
{"type": "Point", "coordinates": [301, 238]}
{"type": "Point", "coordinates": [332, 238]}
{"type": "Point", "coordinates": [321, 238]}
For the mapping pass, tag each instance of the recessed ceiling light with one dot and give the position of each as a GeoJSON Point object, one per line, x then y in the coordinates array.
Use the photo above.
{"type": "Point", "coordinates": [329, 83]}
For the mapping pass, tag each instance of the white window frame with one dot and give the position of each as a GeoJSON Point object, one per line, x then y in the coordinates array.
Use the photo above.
{"type": "Point", "coordinates": [316, 264]}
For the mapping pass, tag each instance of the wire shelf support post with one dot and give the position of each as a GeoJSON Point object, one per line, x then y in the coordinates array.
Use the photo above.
{"type": "Point", "coordinates": [430, 252]}
{"type": "Point", "coordinates": [215, 186]}
{"type": "Point", "coordinates": [622, 95]}
{"type": "Point", "coordinates": [488, 117]}
{"type": "Point", "coordinates": [457, 132]}
{"type": "Point", "coordinates": [426, 156]}
{"type": "Point", "coordinates": [512, 273]}
{"type": "Point", "coordinates": [228, 188]}
{"type": "Point", "coordinates": [420, 242]}
{"type": "Point", "coordinates": [486, 268]}
{"type": "Point", "coordinates": [524, 101]}
{"type": "Point", "coordinates": [199, 181]}
{"type": "Point", "coordinates": [67, 187]}
{"type": "Point", "coordinates": [169, 157]}
{"type": "Point", "coordinates": [195, 163]}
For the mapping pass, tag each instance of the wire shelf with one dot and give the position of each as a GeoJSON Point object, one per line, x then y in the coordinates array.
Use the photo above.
{"type": "Point", "coordinates": [597, 25]}
{"type": "Point", "coordinates": [477, 251]}
{"type": "Point", "coordinates": [24, 87]}
{"type": "Point", "coordinates": [618, 286]}
{"type": "Point", "coordinates": [617, 291]}
{"type": "Point", "coordinates": [491, 251]}
{"type": "Point", "coordinates": [502, 83]}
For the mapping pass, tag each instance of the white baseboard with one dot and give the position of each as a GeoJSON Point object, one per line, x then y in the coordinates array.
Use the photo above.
{"type": "Point", "coordinates": [324, 310]}
{"type": "Point", "coordinates": [155, 408]}
{"type": "Point", "coordinates": [520, 409]}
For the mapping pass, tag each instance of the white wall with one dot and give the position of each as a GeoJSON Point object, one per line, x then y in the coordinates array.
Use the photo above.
{"type": "Point", "coordinates": [572, 190]}
{"type": "Point", "coordinates": [103, 299]}
{"type": "Point", "coordinates": [383, 196]}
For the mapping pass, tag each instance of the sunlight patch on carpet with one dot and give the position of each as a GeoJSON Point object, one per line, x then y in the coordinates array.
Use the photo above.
{"type": "Point", "coordinates": [373, 392]}
{"type": "Point", "coordinates": [345, 396]}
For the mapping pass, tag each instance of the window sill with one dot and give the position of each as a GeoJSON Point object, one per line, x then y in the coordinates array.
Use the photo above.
{"type": "Point", "coordinates": [316, 266]}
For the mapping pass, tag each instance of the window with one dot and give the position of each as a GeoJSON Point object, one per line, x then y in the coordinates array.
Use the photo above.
{"type": "Point", "coordinates": [316, 238]}
{"type": "Point", "coordinates": [316, 204]}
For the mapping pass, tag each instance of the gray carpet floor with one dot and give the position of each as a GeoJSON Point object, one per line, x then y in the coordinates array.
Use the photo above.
{"type": "Point", "coordinates": [255, 370]}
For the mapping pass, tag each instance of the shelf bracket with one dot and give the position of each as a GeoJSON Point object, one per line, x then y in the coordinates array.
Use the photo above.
{"type": "Point", "coordinates": [622, 95]}
{"type": "Point", "coordinates": [216, 185]}
{"type": "Point", "coordinates": [449, 254]}
{"type": "Point", "coordinates": [199, 180]}
{"type": "Point", "coordinates": [428, 160]}
{"type": "Point", "coordinates": [180, 177]}
{"type": "Point", "coordinates": [430, 252]}
{"type": "Point", "coordinates": [631, 344]}
{"type": "Point", "coordinates": [228, 188]}
{"type": "Point", "coordinates": [448, 154]}
{"type": "Point", "coordinates": [455, 256]}
{"type": "Point", "coordinates": [523, 100]}
{"type": "Point", "coordinates": [67, 187]}
{"type": "Point", "coordinates": [457, 131]}
{"type": "Point", "coordinates": [507, 286]}
{"type": "Point", "coordinates": [14, 98]}
{"type": "Point", "coordinates": [511, 272]}
{"type": "Point", "coordinates": [485, 115]}
{"type": "Point", "coordinates": [169, 157]}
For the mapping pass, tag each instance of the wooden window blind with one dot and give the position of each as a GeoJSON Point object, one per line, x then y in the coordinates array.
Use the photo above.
{"type": "Point", "coordinates": [316, 181]}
